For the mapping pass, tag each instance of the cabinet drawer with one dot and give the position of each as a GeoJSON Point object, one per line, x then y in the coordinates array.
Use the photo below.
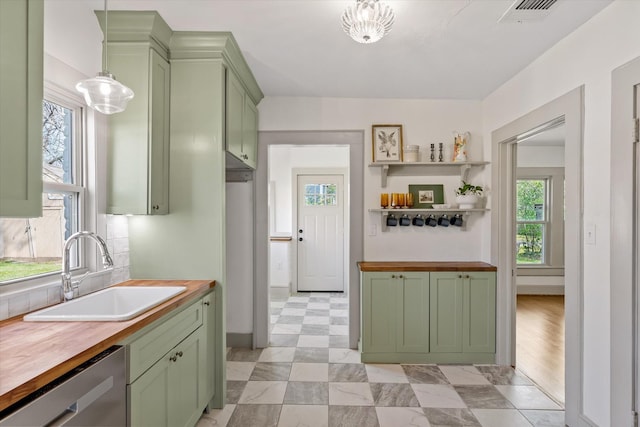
{"type": "Point", "coordinates": [149, 348]}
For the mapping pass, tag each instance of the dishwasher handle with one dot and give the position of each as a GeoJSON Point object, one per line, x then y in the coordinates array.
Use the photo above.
{"type": "Point", "coordinates": [82, 403]}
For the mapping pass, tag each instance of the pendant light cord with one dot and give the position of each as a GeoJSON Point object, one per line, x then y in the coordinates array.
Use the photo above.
{"type": "Point", "coordinates": [105, 57]}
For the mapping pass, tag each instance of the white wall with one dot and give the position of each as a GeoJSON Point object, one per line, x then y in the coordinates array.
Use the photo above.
{"type": "Point", "coordinates": [587, 56]}
{"type": "Point", "coordinates": [425, 122]}
{"type": "Point", "coordinates": [536, 157]}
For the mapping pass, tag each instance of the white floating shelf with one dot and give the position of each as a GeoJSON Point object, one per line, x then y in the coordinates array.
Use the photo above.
{"type": "Point", "coordinates": [387, 167]}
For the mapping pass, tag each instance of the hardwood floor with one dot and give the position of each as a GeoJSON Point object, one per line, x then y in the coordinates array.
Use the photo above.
{"type": "Point", "coordinates": [540, 341]}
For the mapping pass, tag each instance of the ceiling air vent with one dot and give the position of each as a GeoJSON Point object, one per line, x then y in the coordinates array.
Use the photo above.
{"type": "Point", "coordinates": [528, 11]}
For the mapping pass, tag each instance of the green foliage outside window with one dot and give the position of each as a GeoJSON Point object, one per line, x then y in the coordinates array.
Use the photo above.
{"type": "Point", "coordinates": [530, 216]}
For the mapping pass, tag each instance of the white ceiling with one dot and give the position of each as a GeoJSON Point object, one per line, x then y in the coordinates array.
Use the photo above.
{"type": "Point", "coordinates": [437, 48]}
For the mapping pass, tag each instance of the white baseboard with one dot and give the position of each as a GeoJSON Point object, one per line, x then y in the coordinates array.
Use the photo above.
{"type": "Point", "coordinates": [540, 290]}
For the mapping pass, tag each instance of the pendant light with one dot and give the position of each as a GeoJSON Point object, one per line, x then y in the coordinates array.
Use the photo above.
{"type": "Point", "coordinates": [104, 93]}
{"type": "Point", "coordinates": [367, 21]}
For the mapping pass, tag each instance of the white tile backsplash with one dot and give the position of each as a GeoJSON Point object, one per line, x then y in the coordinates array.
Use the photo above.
{"type": "Point", "coordinates": [117, 240]}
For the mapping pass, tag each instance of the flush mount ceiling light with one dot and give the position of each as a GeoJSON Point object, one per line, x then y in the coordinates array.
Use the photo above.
{"type": "Point", "coordinates": [367, 21]}
{"type": "Point", "coordinates": [104, 93]}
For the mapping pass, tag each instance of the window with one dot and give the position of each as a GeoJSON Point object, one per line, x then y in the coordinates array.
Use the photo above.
{"type": "Point", "coordinates": [33, 246]}
{"type": "Point", "coordinates": [320, 195]}
{"type": "Point", "coordinates": [531, 220]}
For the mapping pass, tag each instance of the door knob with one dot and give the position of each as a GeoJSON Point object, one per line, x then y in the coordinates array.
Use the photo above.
{"type": "Point", "coordinates": [300, 239]}
{"type": "Point", "coordinates": [300, 231]}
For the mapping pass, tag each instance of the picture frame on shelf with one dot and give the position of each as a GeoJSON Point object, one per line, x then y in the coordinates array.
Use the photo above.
{"type": "Point", "coordinates": [386, 143]}
{"type": "Point", "coordinates": [426, 195]}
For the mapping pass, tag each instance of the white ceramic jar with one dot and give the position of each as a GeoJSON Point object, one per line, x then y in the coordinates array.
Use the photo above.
{"type": "Point", "coordinates": [412, 153]}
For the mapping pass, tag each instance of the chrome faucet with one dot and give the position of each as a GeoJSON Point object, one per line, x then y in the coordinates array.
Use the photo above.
{"type": "Point", "coordinates": [67, 285]}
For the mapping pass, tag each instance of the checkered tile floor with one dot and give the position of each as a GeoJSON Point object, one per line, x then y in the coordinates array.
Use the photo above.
{"type": "Point", "coordinates": [309, 377]}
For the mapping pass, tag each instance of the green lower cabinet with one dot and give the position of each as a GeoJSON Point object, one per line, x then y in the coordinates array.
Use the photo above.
{"type": "Point", "coordinates": [167, 394]}
{"type": "Point", "coordinates": [412, 293]}
{"type": "Point", "coordinates": [479, 313]}
{"type": "Point", "coordinates": [446, 313]}
{"type": "Point", "coordinates": [378, 313]}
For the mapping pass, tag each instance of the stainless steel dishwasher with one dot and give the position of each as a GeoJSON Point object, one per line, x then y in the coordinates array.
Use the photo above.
{"type": "Point", "coordinates": [93, 394]}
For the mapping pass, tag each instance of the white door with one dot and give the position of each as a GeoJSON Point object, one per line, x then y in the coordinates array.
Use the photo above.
{"type": "Point", "coordinates": [320, 232]}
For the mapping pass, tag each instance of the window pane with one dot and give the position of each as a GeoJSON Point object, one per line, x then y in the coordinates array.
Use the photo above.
{"type": "Point", "coordinates": [531, 195]}
{"type": "Point", "coordinates": [530, 244]}
{"type": "Point", "coordinates": [57, 143]}
{"type": "Point", "coordinates": [320, 195]}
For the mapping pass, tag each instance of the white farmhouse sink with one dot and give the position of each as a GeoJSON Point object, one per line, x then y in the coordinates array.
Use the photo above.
{"type": "Point", "coordinates": [110, 305]}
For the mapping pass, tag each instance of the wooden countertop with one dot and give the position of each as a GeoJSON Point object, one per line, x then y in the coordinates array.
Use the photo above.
{"type": "Point", "coordinates": [32, 354]}
{"type": "Point", "coordinates": [425, 266]}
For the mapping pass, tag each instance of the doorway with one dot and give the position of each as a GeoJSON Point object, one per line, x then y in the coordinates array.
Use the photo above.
{"type": "Point", "coordinates": [320, 217]}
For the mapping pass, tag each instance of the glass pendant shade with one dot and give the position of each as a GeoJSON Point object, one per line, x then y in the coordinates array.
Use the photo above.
{"type": "Point", "coordinates": [105, 94]}
{"type": "Point", "coordinates": [367, 21]}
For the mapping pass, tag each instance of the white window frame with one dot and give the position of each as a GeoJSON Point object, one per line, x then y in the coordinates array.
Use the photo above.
{"type": "Point", "coordinates": [553, 238]}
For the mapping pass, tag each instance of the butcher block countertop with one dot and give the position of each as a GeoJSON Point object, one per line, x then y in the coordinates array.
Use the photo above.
{"type": "Point", "coordinates": [425, 266]}
{"type": "Point", "coordinates": [32, 354]}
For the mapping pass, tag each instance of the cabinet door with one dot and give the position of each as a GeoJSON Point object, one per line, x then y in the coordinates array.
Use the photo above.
{"type": "Point", "coordinates": [250, 133]}
{"type": "Point", "coordinates": [379, 310]}
{"type": "Point", "coordinates": [234, 110]}
{"type": "Point", "coordinates": [479, 313]}
{"type": "Point", "coordinates": [186, 371]}
{"type": "Point", "coordinates": [21, 47]}
{"type": "Point", "coordinates": [149, 400]}
{"type": "Point", "coordinates": [445, 312]}
{"type": "Point", "coordinates": [413, 313]}
{"type": "Point", "coordinates": [159, 135]}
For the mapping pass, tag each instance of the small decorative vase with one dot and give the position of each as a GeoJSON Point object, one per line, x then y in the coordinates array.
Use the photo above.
{"type": "Point", "coordinates": [466, 201]}
{"type": "Point", "coordinates": [460, 140]}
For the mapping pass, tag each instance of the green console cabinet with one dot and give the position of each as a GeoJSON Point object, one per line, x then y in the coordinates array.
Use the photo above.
{"type": "Point", "coordinates": [395, 314]}
{"type": "Point", "coordinates": [21, 63]}
{"type": "Point", "coordinates": [426, 314]}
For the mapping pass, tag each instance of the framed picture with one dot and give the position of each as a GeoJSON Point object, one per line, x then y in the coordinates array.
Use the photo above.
{"type": "Point", "coordinates": [424, 196]}
{"type": "Point", "coordinates": [387, 143]}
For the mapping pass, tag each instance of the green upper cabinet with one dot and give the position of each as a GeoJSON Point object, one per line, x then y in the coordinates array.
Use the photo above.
{"type": "Point", "coordinates": [21, 77]}
{"type": "Point", "coordinates": [241, 125]}
{"type": "Point", "coordinates": [138, 149]}
{"type": "Point", "coordinates": [395, 312]}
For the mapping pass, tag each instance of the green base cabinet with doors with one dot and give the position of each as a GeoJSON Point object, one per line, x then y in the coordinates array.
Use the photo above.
{"type": "Point", "coordinates": [427, 312]}
{"type": "Point", "coordinates": [171, 375]}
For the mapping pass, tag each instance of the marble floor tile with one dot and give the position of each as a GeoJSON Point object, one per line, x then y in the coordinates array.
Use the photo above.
{"type": "Point", "coordinates": [292, 320]}
{"type": "Point", "coordinates": [317, 312]}
{"type": "Point", "coordinates": [339, 306]}
{"type": "Point", "coordinates": [544, 418]}
{"type": "Point", "coordinates": [234, 391]}
{"type": "Point", "coordinates": [315, 329]}
{"type": "Point", "coordinates": [286, 329]}
{"type": "Point", "coordinates": [239, 371]}
{"type": "Point", "coordinates": [500, 418]}
{"type": "Point", "coordinates": [307, 393]}
{"type": "Point", "coordinates": [277, 304]}
{"type": "Point", "coordinates": [286, 340]}
{"type": "Point", "coordinates": [350, 394]}
{"type": "Point", "coordinates": [389, 394]}
{"type": "Point", "coordinates": [527, 397]}
{"type": "Point", "coordinates": [313, 341]}
{"type": "Point", "coordinates": [243, 355]}
{"type": "Point", "coordinates": [293, 312]}
{"type": "Point", "coordinates": [295, 305]}
{"type": "Point", "coordinates": [343, 355]}
{"type": "Point", "coordinates": [342, 299]}
{"type": "Point", "coordinates": [318, 305]}
{"type": "Point", "coordinates": [275, 311]}
{"type": "Point", "coordinates": [315, 320]}
{"type": "Point", "coordinates": [347, 416]}
{"type": "Point", "coordinates": [437, 396]}
{"type": "Point", "coordinates": [347, 372]}
{"type": "Point", "coordinates": [463, 375]}
{"type": "Point", "coordinates": [304, 415]}
{"type": "Point", "coordinates": [311, 355]}
{"type": "Point", "coordinates": [274, 318]}
{"type": "Point", "coordinates": [483, 396]}
{"type": "Point", "coordinates": [304, 299]}
{"type": "Point", "coordinates": [338, 320]}
{"type": "Point", "coordinates": [217, 417]}
{"type": "Point", "coordinates": [339, 313]}
{"type": "Point", "coordinates": [267, 392]}
{"type": "Point", "coordinates": [319, 299]}
{"type": "Point", "coordinates": [277, 354]}
{"type": "Point", "coordinates": [394, 417]}
{"type": "Point", "coordinates": [385, 373]}
{"type": "Point", "coordinates": [451, 417]}
{"type": "Point", "coordinates": [339, 330]}
{"type": "Point", "coordinates": [503, 375]}
{"type": "Point", "coordinates": [277, 371]}
{"type": "Point", "coordinates": [424, 374]}
{"type": "Point", "coordinates": [255, 415]}
{"type": "Point", "coordinates": [309, 372]}
{"type": "Point", "coordinates": [338, 341]}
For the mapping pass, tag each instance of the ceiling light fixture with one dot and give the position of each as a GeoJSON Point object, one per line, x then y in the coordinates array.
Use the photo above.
{"type": "Point", "coordinates": [367, 21]}
{"type": "Point", "coordinates": [104, 93]}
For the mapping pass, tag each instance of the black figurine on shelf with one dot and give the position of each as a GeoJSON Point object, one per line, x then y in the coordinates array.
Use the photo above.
{"type": "Point", "coordinates": [433, 152]}
{"type": "Point", "coordinates": [440, 155]}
